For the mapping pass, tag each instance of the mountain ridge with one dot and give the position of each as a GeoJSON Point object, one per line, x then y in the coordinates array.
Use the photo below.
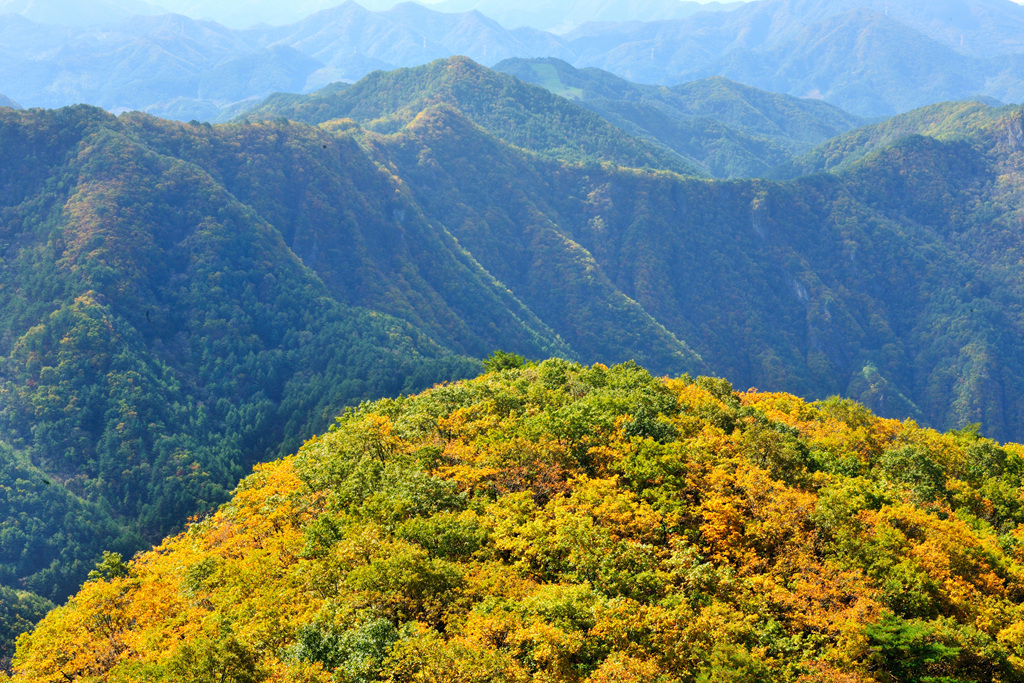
{"type": "Point", "coordinates": [521, 114]}
{"type": "Point", "coordinates": [775, 45]}
{"type": "Point", "coordinates": [730, 129]}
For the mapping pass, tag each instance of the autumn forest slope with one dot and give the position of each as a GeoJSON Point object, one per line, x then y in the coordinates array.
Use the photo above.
{"type": "Point", "coordinates": [575, 524]}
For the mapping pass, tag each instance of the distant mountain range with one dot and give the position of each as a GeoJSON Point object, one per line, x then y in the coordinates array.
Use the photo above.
{"type": "Point", "coordinates": [79, 12]}
{"type": "Point", "coordinates": [242, 14]}
{"type": "Point", "coordinates": [560, 16]}
{"type": "Point", "coordinates": [861, 55]}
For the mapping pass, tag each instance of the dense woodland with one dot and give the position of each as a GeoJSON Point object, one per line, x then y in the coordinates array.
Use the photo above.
{"type": "Point", "coordinates": [182, 301]}
{"type": "Point", "coordinates": [728, 129]}
{"type": "Point", "coordinates": [562, 523]}
{"type": "Point", "coordinates": [521, 115]}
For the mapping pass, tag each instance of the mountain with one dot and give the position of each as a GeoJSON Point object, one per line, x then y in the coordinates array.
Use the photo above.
{"type": "Point", "coordinates": [171, 65]}
{"type": "Point", "coordinates": [143, 62]}
{"type": "Point", "coordinates": [889, 56]}
{"type": "Point", "coordinates": [566, 15]}
{"type": "Point", "coordinates": [945, 121]}
{"type": "Point", "coordinates": [981, 28]}
{"type": "Point", "coordinates": [903, 59]}
{"type": "Point", "coordinates": [407, 35]}
{"type": "Point", "coordinates": [160, 333]}
{"type": "Point", "coordinates": [180, 301]}
{"type": "Point", "coordinates": [834, 282]}
{"type": "Point", "coordinates": [727, 128]}
{"type": "Point", "coordinates": [79, 12]}
{"type": "Point", "coordinates": [520, 114]}
{"type": "Point", "coordinates": [244, 14]}
{"type": "Point", "coordinates": [8, 102]}
{"type": "Point", "coordinates": [896, 68]}
{"type": "Point", "coordinates": [578, 524]}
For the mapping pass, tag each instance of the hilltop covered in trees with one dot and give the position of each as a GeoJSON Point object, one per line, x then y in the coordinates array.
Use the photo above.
{"type": "Point", "coordinates": [562, 523]}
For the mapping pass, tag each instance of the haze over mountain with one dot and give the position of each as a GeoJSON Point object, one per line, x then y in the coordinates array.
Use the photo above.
{"type": "Point", "coordinates": [850, 53]}
{"type": "Point", "coordinates": [79, 12]}
{"type": "Point", "coordinates": [243, 14]}
{"type": "Point", "coordinates": [560, 16]}
{"type": "Point", "coordinates": [844, 51]}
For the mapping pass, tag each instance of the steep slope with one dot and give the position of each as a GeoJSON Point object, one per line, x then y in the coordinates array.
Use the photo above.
{"type": "Point", "coordinates": [159, 335]}
{"type": "Point", "coordinates": [859, 284]}
{"type": "Point", "coordinates": [946, 120]}
{"type": "Point", "coordinates": [520, 114]}
{"type": "Point", "coordinates": [515, 230]}
{"type": "Point", "coordinates": [8, 102]}
{"type": "Point", "coordinates": [730, 129]}
{"type": "Point", "coordinates": [579, 525]}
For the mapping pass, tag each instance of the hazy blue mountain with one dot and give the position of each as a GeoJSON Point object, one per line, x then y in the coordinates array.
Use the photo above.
{"type": "Point", "coordinates": [727, 128]}
{"type": "Point", "coordinates": [981, 28]}
{"type": "Point", "coordinates": [141, 63]}
{"type": "Point", "coordinates": [350, 41]}
{"type": "Point", "coordinates": [247, 13]}
{"type": "Point", "coordinates": [560, 15]}
{"type": "Point", "coordinates": [179, 67]}
{"type": "Point", "coordinates": [8, 102]}
{"type": "Point", "coordinates": [564, 15]}
{"type": "Point", "coordinates": [79, 12]}
{"type": "Point", "coordinates": [895, 68]}
{"type": "Point", "coordinates": [848, 52]}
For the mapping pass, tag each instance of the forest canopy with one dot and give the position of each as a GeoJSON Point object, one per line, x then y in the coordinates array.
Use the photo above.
{"type": "Point", "coordinates": [557, 522]}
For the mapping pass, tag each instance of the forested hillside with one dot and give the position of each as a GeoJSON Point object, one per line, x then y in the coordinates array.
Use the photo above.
{"type": "Point", "coordinates": [729, 129]}
{"type": "Point", "coordinates": [833, 284]}
{"type": "Point", "coordinates": [181, 301]}
{"type": "Point", "coordinates": [944, 121]}
{"type": "Point", "coordinates": [563, 523]}
{"type": "Point", "coordinates": [521, 114]}
{"type": "Point", "coordinates": [159, 336]}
